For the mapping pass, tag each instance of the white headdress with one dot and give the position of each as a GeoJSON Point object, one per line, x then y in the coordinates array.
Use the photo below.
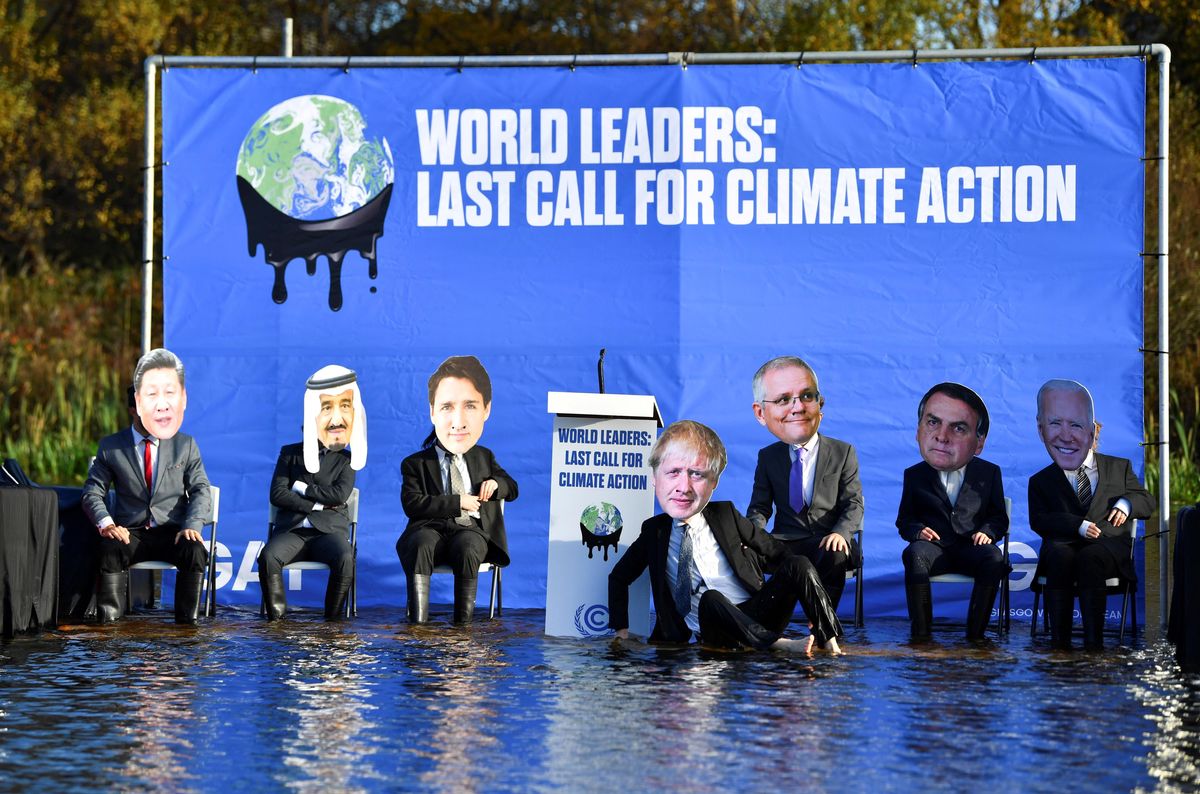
{"type": "Point", "coordinates": [333, 379]}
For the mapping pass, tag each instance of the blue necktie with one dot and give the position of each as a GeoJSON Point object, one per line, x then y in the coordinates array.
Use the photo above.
{"type": "Point", "coordinates": [683, 574]}
{"type": "Point", "coordinates": [796, 482]}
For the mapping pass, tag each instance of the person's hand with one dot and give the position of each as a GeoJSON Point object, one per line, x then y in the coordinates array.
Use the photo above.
{"type": "Point", "coordinates": [469, 503]}
{"type": "Point", "coordinates": [1092, 532]}
{"type": "Point", "coordinates": [487, 489]}
{"type": "Point", "coordinates": [115, 532]}
{"type": "Point", "coordinates": [834, 542]}
{"type": "Point", "coordinates": [621, 634]}
{"type": "Point", "coordinates": [1117, 517]}
{"type": "Point", "coordinates": [187, 534]}
{"type": "Point", "coordinates": [980, 539]}
{"type": "Point", "coordinates": [928, 534]}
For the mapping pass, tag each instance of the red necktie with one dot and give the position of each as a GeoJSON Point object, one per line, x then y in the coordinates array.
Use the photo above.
{"type": "Point", "coordinates": [148, 468]}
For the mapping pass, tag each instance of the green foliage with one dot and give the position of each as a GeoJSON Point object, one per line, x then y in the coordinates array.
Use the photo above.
{"type": "Point", "coordinates": [67, 353]}
{"type": "Point", "coordinates": [1185, 472]}
{"type": "Point", "coordinates": [71, 85]}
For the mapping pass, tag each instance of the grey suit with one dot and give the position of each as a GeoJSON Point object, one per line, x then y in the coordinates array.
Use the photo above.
{"type": "Point", "coordinates": [180, 497]}
{"type": "Point", "coordinates": [836, 506]}
{"type": "Point", "coordinates": [179, 500]}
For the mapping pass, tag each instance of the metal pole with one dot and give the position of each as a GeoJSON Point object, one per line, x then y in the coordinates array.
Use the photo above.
{"type": "Point", "coordinates": [287, 37]}
{"type": "Point", "coordinates": [148, 207]}
{"type": "Point", "coordinates": [1164, 369]}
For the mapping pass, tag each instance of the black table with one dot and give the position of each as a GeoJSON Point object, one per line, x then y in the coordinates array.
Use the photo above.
{"type": "Point", "coordinates": [28, 559]}
{"type": "Point", "coordinates": [1183, 628]}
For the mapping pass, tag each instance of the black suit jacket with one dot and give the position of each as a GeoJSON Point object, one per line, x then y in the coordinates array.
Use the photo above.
{"type": "Point", "coordinates": [837, 500]}
{"type": "Point", "coordinates": [1055, 512]}
{"type": "Point", "coordinates": [742, 543]}
{"type": "Point", "coordinates": [427, 504]}
{"type": "Point", "coordinates": [180, 497]}
{"type": "Point", "coordinates": [331, 487]}
{"type": "Point", "coordinates": [979, 508]}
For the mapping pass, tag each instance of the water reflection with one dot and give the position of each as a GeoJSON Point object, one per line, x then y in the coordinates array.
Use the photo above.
{"type": "Point", "coordinates": [1173, 705]}
{"type": "Point", "coordinates": [157, 691]}
{"type": "Point", "coordinates": [375, 704]}
{"type": "Point", "coordinates": [328, 708]}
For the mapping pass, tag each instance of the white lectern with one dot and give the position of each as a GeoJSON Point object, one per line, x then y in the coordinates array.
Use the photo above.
{"type": "Point", "coordinates": [600, 493]}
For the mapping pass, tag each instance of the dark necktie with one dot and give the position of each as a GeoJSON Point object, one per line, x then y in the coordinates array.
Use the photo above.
{"type": "Point", "coordinates": [683, 573]}
{"type": "Point", "coordinates": [457, 488]}
{"type": "Point", "coordinates": [796, 481]}
{"type": "Point", "coordinates": [1083, 487]}
{"type": "Point", "coordinates": [148, 467]}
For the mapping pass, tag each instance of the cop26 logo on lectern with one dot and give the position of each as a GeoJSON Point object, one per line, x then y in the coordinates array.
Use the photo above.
{"type": "Point", "coordinates": [312, 183]}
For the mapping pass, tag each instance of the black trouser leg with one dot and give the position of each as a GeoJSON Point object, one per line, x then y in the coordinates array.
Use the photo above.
{"type": "Point", "coordinates": [1060, 605]}
{"type": "Point", "coordinates": [803, 584]}
{"type": "Point", "coordinates": [464, 598]}
{"type": "Point", "coordinates": [418, 598]}
{"type": "Point", "coordinates": [724, 624]}
{"type": "Point", "coordinates": [761, 620]}
{"type": "Point", "coordinates": [187, 596]}
{"type": "Point", "coordinates": [979, 611]}
{"type": "Point", "coordinates": [831, 565]}
{"type": "Point", "coordinates": [1092, 602]}
{"type": "Point", "coordinates": [274, 596]}
{"type": "Point", "coordinates": [920, 608]}
{"type": "Point", "coordinates": [110, 596]}
{"type": "Point", "coordinates": [335, 596]}
{"type": "Point", "coordinates": [920, 558]}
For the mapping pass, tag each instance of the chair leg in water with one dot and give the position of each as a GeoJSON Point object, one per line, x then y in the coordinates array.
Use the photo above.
{"type": "Point", "coordinates": [1092, 602]}
{"type": "Point", "coordinates": [274, 595]}
{"type": "Point", "coordinates": [335, 597]}
{"type": "Point", "coordinates": [187, 596]}
{"type": "Point", "coordinates": [464, 598]}
{"type": "Point", "coordinates": [418, 598]}
{"type": "Point", "coordinates": [110, 596]}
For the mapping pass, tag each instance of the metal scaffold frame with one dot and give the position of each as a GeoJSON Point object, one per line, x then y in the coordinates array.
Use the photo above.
{"type": "Point", "coordinates": [1160, 52]}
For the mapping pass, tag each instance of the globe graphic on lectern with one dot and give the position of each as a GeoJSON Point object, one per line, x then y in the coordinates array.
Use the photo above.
{"type": "Point", "coordinates": [309, 157]}
{"type": "Point", "coordinates": [312, 183]}
{"type": "Point", "coordinates": [600, 527]}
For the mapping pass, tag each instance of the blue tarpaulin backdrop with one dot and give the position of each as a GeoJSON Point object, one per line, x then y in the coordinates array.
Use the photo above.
{"type": "Point", "coordinates": [1001, 249]}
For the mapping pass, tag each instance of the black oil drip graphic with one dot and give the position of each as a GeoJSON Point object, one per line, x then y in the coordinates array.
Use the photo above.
{"type": "Point", "coordinates": [603, 542]}
{"type": "Point", "coordinates": [285, 238]}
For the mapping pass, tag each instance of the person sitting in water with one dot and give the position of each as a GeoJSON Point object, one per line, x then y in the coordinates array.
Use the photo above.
{"type": "Point", "coordinates": [703, 558]}
{"type": "Point", "coordinates": [310, 488]}
{"type": "Point", "coordinates": [452, 492]}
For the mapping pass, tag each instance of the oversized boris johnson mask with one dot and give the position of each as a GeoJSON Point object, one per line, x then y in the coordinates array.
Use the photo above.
{"type": "Point", "coordinates": [158, 393]}
{"type": "Point", "coordinates": [334, 416]}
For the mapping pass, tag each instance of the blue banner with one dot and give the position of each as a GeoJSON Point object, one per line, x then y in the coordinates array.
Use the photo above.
{"type": "Point", "coordinates": [895, 225]}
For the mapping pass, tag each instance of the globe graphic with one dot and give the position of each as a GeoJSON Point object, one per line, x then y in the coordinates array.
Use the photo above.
{"type": "Point", "coordinates": [309, 158]}
{"type": "Point", "coordinates": [601, 519]}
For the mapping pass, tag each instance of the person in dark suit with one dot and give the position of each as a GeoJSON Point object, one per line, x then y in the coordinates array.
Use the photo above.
{"type": "Point", "coordinates": [809, 481]}
{"type": "Point", "coordinates": [452, 492]}
{"type": "Point", "coordinates": [162, 499]}
{"type": "Point", "coordinates": [1080, 505]}
{"type": "Point", "coordinates": [704, 561]}
{"type": "Point", "coordinates": [312, 483]}
{"type": "Point", "coordinates": [952, 508]}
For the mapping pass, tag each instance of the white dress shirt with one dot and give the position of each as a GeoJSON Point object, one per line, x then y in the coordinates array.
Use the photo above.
{"type": "Point", "coordinates": [952, 481]}
{"type": "Point", "coordinates": [710, 569]}
{"type": "Point", "coordinates": [810, 464]}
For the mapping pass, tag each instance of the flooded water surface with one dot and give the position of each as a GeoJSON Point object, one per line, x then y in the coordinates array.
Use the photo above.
{"type": "Point", "coordinates": [374, 704]}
